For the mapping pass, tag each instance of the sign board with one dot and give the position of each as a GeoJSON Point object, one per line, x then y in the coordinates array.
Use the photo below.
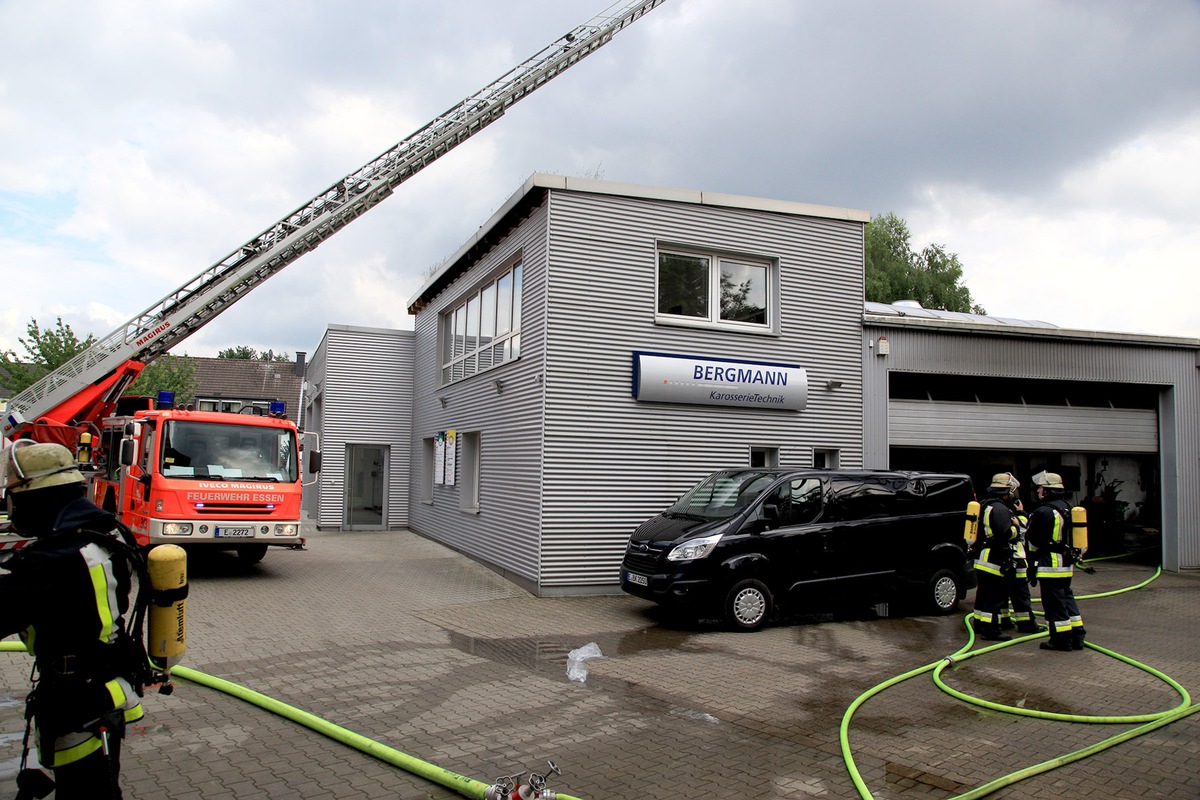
{"type": "Point", "coordinates": [663, 378]}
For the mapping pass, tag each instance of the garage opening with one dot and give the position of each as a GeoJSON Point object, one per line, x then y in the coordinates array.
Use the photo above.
{"type": "Point", "coordinates": [1102, 438]}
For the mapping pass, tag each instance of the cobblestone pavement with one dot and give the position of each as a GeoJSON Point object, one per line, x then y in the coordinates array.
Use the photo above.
{"type": "Point", "coordinates": [420, 649]}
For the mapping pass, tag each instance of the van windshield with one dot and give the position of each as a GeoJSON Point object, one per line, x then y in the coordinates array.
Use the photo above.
{"type": "Point", "coordinates": [723, 494]}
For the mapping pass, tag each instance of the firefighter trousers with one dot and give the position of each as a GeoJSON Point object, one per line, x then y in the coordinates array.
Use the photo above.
{"type": "Point", "coordinates": [1062, 613]}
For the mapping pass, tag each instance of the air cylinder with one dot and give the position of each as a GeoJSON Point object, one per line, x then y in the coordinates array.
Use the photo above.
{"type": "Point", "coordinates": [166, 636]}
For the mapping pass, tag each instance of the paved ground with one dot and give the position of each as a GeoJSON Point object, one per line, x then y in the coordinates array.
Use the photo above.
{"type": "Point", "coordinates": [407, 643]}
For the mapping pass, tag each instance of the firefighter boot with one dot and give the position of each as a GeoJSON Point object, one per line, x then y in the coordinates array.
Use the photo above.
{"type": "Point", "coordinates": [1077, 638]}
{"type": "Point", "coordinates": [1060, 643]}
{"type": "Point", "coordinates": [1029, 626]}
{"type": "Point", "coordinates": [991, 632]}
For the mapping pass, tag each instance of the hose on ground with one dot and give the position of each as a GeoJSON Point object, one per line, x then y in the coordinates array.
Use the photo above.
{"type": "Point", "coordinates": [1151, 721]}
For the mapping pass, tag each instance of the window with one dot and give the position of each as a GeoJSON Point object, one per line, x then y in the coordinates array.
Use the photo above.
{"type": "Point", "coordinates": [714, 289]}
{"type": "Point", "coordinates": [826, 459]}
{"type": "Point", "coordinates": [764, 456]}
{"type": "Point", "coordinates": [428, 451]}
{"type": "Point", "coordinates": [800, 502]}
{"type": "Point", "coordinates": [483, 329]}
{"type": "Point", "coordinates": [468, 498]}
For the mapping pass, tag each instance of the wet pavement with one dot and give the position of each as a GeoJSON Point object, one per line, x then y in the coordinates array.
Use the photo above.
{"type": "Point", "coordinates": [410, 644]}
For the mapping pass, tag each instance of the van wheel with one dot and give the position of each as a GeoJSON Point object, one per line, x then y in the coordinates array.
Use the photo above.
{"type": "Point", "coordinates": [748, 605]}
{"type": "Point", "coordinates": [252, 553]}
{"type": "Point", "coordinates": [942, 592]}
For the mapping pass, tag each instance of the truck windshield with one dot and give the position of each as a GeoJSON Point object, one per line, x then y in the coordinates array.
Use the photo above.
{"type": "Point", "coordinates": [723, 494]}
{"type": "Point", "coordinates": [220, 450]}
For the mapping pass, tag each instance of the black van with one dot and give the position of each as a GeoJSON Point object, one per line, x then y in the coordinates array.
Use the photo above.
{"type": "Point", "coordinates": [744, 542]}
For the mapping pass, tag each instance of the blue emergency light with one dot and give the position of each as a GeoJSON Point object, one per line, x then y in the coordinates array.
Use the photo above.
{"type": "Point", "coordinates": [277, 407]}
{"type": "Point", "coordinates": [166, 399]}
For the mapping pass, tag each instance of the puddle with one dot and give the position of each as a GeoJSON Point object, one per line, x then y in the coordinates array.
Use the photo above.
{"type": "Point", "coordinates": [549, 653]}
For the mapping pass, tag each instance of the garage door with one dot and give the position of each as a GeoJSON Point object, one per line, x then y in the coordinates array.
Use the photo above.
{"type": "Point", "coordinates": [918, 423]}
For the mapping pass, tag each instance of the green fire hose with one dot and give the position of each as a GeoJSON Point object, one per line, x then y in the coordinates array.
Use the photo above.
{"type": "Point", "coordinates": [1152, 721]}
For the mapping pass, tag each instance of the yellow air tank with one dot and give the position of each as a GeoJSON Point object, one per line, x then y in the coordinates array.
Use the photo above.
{"type": "Point", "coordinates": [1079, 528]}
{"type": "Point", "coordinates": [971, 528]}
{"type": "Point", "coordinates": [166, 637]}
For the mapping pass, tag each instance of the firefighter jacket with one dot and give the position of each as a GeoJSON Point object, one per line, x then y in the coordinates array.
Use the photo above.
{"type": "Point", "coordinates": [1049, 540]}
{"type": "Point", "coordinates": [67, 595]}
{"type": "Point", "coordinates": [999, 536]}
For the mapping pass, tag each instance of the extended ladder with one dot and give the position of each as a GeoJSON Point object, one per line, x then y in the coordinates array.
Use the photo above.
{"type": "Point", "coordinates": [184, 311]}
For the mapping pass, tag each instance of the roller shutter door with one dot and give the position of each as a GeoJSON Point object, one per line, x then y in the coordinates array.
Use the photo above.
{"type": "Point", "coordinates": [917, 423]}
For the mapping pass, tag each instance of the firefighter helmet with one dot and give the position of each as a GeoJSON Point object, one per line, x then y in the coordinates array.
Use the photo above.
{"type": "Point", "coordinates": [30, 466]}
{"type": "Point", "coordinates": [1006, 481]}
{"type": "Point", "coordinates": [1048, 480]}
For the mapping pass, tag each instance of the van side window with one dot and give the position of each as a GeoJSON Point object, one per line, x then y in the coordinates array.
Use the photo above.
{"type": "Point", "coordinates": [800, 502]}
{"type": "Point", "coordinates": [860, 498]}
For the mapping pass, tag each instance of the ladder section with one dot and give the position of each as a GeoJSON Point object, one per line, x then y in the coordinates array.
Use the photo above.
{"type": "Point", "coordinates": [184, 311]}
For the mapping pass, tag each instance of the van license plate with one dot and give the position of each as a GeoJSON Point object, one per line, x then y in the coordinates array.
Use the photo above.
{"type": "Point", "coordinates": [640, 580]}
{"type": "Point", "coordinates": [234, 533]}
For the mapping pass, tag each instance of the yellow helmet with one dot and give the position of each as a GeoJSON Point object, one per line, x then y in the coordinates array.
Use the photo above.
{"type": "Point", "coordinates": [1048, 480]}
{"type": "Point", "coordinates": [1006, 481]}
{"type": "Point", "coordinates": [29, 466]}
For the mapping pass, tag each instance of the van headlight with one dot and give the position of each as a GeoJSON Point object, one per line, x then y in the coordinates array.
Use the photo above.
{"type": "Point", "coordinates": [694, 548]}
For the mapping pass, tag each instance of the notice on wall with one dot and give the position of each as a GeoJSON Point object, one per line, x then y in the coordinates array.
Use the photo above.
{"type": "Point", "coordinates": [439, 458]}
{"type": "Point", "coordinates": [451, 461]}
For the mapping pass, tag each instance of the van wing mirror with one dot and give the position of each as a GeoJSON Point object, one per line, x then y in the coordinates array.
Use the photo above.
{"type": "Point", "coordinates": [314, 461]}
{"type": "Point", "coordinates": [771, 512]}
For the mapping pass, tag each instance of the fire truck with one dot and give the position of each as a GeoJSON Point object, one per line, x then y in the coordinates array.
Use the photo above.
{"type": "Point", "coordinates": [231, 480]}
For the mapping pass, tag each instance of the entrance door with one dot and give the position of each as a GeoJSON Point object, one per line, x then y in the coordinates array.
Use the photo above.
{"type": "Point", "coordinates": [365, 487]}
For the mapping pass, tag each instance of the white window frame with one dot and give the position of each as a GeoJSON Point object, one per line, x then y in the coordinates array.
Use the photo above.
{"type": "Point", "coordinates": [468, 465]}
{"type": "Point", "coordinates": [482, 330]}
{"type": "Point", "coordinates": [428, 450]}
{"type": "Point", "coordinates": [715, 259]}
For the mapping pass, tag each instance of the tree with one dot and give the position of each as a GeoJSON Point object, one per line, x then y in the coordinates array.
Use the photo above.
{"type": "Point", "coordinates": [933, 277]}
{"type": "Point", "coordinates": [167, 374]}
{"type": "Point", "coordinates": [246, 353]}
{"type": "Point", "coordinates": [45, 351]}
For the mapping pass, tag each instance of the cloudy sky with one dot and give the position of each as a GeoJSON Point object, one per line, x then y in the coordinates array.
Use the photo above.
{"type": "Point", "coordinates": [1054, 146]}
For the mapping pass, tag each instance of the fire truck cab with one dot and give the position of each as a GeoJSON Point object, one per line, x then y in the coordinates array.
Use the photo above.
{"type": "Point", "coordinates": [207, 478]}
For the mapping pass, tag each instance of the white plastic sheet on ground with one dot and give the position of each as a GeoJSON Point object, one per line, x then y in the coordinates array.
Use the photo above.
{"type": "Point", "coordinates": [577, 661]}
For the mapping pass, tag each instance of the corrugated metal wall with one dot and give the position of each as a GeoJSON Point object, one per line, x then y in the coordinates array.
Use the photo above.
{"type": "Point", "coordinates": [366, 375]}
{"type": "Point", "coordinates": [504, 532]}
{"type": "Point", "coordinates": [611, 462]}
{"type": "Point", "coordinates": [1018, 354]}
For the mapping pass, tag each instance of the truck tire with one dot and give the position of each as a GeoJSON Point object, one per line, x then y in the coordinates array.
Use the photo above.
{"type": "Point", "coordinates": [942, 592]}
{"type": "Point", "coordinates": [748, 605]}
{"type": "Point", "coordinates": [252, 553]}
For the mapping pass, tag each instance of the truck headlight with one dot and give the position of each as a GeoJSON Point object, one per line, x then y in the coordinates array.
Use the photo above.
{"type": "Point", "coordinates": [694, 548]}
{"type": "Point", "coordinates": [285, 530]}
{"type": "Point", "coordinates": [177, 529]}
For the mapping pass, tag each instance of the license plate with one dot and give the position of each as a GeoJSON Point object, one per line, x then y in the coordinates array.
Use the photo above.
{"type": "Point", "coordinates": [639, 580]}
{"type": "Point", "coordinates": [234, 533]}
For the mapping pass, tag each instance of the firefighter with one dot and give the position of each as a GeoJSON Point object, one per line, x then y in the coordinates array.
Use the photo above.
{"type": "Point", "coordinates": [996, 548]}
{"type": "Point", "coordinates": [1018, 612]}
{"type": "Point", "coordinates": [1053, 563]}
{"type": "Point", "coordinates": [67, 594]}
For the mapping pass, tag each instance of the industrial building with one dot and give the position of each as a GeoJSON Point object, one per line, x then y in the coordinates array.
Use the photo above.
{"type": "Point", "coordinates": [597, 347]}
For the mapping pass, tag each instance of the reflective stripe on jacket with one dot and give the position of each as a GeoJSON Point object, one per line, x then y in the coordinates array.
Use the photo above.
{"type": "Point", "coordinates": [1047, 539]}
{"type": "Point", "coordinates": [998, 532]}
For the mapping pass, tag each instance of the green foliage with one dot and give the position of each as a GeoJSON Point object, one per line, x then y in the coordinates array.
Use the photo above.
{"type": "Point", "coordinates": [45, 351]}
{"type": "Point", "coordinates": [167, 374]}
{"type": "Point", "coordinates": [933, 277]}
{"type": "Point", "coordinates": [246, 353]}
